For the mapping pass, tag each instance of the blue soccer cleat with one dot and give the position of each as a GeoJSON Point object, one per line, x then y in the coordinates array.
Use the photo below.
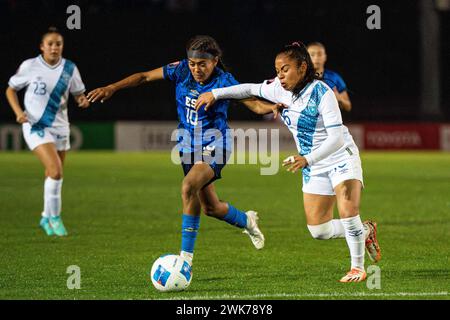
{"type": "Point", "coordinates": [45, 224]}
{"type": "Point", "coordinates": [58, 226]}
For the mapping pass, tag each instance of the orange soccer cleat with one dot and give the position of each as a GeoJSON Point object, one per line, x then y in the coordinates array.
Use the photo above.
{"type": "Point", "coordinates": [354, 275]}
{"type": "Point", "coordinates": [372, 246]}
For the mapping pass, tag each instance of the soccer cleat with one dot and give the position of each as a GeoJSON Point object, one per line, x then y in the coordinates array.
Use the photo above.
{"type": "Point", "coordinates": [187, 256]}
{"type": "Point", "coordinates": [58, 226]}
{"type": "Point", "coordinates": [354, 275]}
{"type": "Point", "coordinates": [372, 247]}
{"type": "Point", "coordinates": [253, 231]}
{"type": "Point", "coordinates": [45, 224]}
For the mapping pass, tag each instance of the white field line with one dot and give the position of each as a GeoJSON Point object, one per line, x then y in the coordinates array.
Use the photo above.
{"type": "Point", "coordinates": [310, 295]}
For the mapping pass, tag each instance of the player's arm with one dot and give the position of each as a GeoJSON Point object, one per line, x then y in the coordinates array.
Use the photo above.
{"type": "Point", "coordinates": [77, 89]}
{"type": "Point", "coordinates": [134, 80]}
{"type": "Point", "coordinates": [343, 100]}
{"type": "Point", "coordinates": [16, 83]}
{"type": "Point", "coordinates": [82, 100]}
{"type": "Point", "coordinates": [13, 100]}
{"type": "Point", "coordinates": [259, 106]}
{"type": "Point", "coordinates": [332, 143]}
{"type": "Point", "coordinates": [332, 121]}
{"type": "Point", "coordinates": [239, 92]}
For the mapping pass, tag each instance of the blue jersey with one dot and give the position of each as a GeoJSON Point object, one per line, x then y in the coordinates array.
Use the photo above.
{"type": "Point", "coordinates": [200, 127]}
{"type": "Point", "coordinates": [333, 79]}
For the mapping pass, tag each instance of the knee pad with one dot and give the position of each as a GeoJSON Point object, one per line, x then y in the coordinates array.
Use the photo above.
{"type": "Point", "coordinates": [322, 231]}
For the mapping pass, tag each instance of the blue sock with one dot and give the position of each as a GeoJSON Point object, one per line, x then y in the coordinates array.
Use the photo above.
{"type": "Point", "coordinates": [235, 217]}
{"type": "Point", "coordinates": [189, 230]}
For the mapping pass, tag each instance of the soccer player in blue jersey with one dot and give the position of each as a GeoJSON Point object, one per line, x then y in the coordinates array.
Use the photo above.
{"type": "Point", "coordinates": [319, 57]}
{"type": "Point", "coordinates": [48, 80]}
{"type": "Point", "coordinates": [202, 156]}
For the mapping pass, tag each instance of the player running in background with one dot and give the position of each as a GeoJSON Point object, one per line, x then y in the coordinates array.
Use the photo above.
{"type": "Point", "coordinates": [327, 153]}
{"type": "Point", "coordinates": [202, 157]}
{"type": "Point", "coordinates": [332, 79]}
{"type": "Point", "coordinates": [48, 79]}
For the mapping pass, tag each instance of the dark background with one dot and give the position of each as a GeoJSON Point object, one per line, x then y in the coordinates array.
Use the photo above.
{"type": "Point", "coordinates": [382, 68]}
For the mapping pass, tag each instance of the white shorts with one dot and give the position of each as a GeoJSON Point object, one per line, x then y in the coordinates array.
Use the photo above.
{"type": "Point", "coordinates": [59, 136]}
{"type": "Point", "coordinates": [325, 183]}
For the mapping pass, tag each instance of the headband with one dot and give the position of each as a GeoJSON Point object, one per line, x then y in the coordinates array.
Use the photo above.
{"type": "Point", "coordinates": [197, 54]}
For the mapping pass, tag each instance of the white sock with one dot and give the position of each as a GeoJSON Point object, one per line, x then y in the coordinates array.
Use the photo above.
{"type": "Point", "coordinates": [355, 236]}
{"type": "Point", "coordinates": [188, 256]}
{"type": "Point", "coordinates": [45, 214]}
{"type": "Point", "coordinates": [338, 229]}
{"type": "Point", "coordinates": [52, 197]}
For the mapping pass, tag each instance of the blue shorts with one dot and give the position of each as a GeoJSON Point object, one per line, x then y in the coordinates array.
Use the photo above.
{"type": "Point", "coordinates": [215, 159]}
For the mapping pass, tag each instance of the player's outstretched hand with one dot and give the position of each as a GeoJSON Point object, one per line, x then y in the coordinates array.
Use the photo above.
{"type": "Point", "coordinates": [22, 118]}
{"type": "Point", "coordinates": [102, 94]}
{"type": "Point", "coordinates": [294, 163]}
{"type": "Point", "coordinates": [277, 109]}
{"type": "Point", "coordinates": [206, 99]}
{"type": "Point", "coordinates": [82, 101]}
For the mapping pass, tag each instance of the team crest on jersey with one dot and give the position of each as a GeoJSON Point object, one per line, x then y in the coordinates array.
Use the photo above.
{"type": "Point", "coordinates": [194, 92]}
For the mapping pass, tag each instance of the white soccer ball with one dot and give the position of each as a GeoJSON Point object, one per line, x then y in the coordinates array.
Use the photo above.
{"type": "Point", "coordinates": [171, 272]}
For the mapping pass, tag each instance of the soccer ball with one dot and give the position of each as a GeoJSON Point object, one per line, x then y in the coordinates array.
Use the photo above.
{"type": "Point", "coordinates": [171, 272]}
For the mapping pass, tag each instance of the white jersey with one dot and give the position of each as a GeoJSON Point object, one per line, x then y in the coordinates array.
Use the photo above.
{"type": "Point", "coordinates": [309, 117]}
{"type": "Point", "coordinates": [47, 90]}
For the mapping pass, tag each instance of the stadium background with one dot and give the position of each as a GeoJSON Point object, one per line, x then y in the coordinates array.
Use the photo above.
{"type": "Point", "coordinates": [383, 68]}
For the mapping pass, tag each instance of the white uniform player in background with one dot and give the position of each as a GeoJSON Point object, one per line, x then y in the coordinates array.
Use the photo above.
{"type": "Point", "coordinates": [327, 155]}
{"type": "Point", "coordinates": [48, 79]}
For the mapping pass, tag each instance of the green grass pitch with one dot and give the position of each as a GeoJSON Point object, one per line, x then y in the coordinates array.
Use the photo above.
{"type": "Point", "coordinates": [123, 210]}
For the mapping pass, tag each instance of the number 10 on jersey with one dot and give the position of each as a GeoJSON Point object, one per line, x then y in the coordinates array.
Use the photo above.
{"type": "Point", "coordinates": [191, 114]}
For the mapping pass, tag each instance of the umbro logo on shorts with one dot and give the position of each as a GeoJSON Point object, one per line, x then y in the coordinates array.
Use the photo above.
{"type": "Point", "coordinates": [208, 151]}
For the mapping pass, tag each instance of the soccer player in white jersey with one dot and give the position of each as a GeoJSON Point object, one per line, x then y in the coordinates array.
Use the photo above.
{"type": "Point", "coordinates": [48, 79]}
{"type": "Point", "coordinates": [327, 154]}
